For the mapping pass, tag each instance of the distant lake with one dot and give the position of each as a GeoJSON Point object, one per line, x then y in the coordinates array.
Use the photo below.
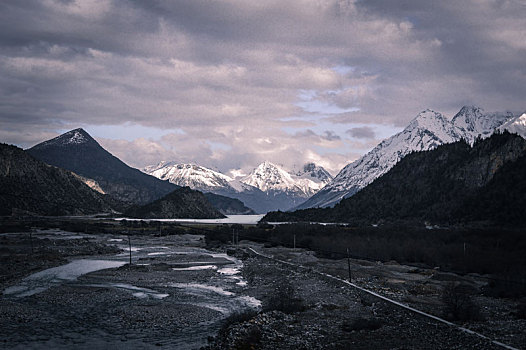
{"type": "Point", "coordinates": [230, 219]}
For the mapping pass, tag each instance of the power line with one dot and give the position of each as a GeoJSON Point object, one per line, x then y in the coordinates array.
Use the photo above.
{"type": "Point", "coordinates": [343, 254]}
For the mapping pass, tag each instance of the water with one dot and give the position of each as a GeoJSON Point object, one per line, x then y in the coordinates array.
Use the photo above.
{"type": "Point", "coordinates": [138, 292]}
{"type": "Point", "coordinates": [43, 280]}
{"type": "Point", "coordinates": [195, 268]}
{"type": "Point", "coordinates": [208, 282]}
{"type": "Point", "coordinates": [230, 219]}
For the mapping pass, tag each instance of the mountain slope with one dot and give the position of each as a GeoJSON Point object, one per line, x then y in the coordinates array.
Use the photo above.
{"type": "Point", "coordinates": [227, 205]}
{"type": "Point", "coordinates": [450, 184]}
{"type": "Point", "coordinates": [516, 125]}
{"type": "Point", "coordinates": [191, 175]}
{"type": "Point", "coordinates": [207, 180]}
{"type": "Point", "coordinates": [31, 185]}
{"type": "Point", "coordinates": [270, 178]}
{"type": "Point", "coordinates": [77, 151]}
{"type": "Point", "coordinates": [267, 188]}
{"type": "Point", "coordinates": [315, 173]}
{"type": "Point", "coordinates": [428, 130]}
{"type": "Point", "coordinates": [472, 122]}
{"type": "Point", "coordinates": [182, 203]}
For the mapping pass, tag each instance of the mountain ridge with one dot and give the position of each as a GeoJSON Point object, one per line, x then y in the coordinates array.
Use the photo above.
{"type": "Point", "coordinates": [182, 203]}
{"type": "Point", "coordinates": [268, 187]}
{"type": "Point", "coordinates": [77, 151]}
{"type": "Point", "coordinates": [426, 131]}
{"type": "Point", "coordinates": [31, 185]}
{"type": "Point", "coordinates": [453, 183]}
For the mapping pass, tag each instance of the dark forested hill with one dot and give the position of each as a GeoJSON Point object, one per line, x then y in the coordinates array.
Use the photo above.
{"type": "Point", "coordinates": [181, 203]}
{"type": "Point", "coordinates": [77, 151]}
{"type": "Point", "coordinates": [30, 185]}
{"type": "Point", "coordinates": [227, 205]}
{"type": "Point", "coordinates": [454, 183]}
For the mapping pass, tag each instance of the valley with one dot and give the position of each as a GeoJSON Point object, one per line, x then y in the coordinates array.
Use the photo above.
{"type": "Point", "coordinates": [97, 254]}
{"type": "Point", "coordinates": [174, 294]}
{"type": "Point", "coordinates": [185, 290]}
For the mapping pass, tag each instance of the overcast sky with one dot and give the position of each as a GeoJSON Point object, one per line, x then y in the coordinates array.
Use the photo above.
{"type": "Point", "coordinates": [229, 84]}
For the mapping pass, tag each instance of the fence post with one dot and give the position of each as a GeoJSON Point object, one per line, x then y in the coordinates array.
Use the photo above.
{"type": "Point", "coordinates": [129, 244]}
{"type": "Point", "coordinates": [31, 239]}
{"type": "Point", "coordinates": [349, 265]}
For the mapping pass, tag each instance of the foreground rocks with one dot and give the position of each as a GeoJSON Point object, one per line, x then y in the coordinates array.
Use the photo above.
{"type": "Point", "coordinates": [159, 302]}
{"type": "Point", "coordinates": [332, 315]}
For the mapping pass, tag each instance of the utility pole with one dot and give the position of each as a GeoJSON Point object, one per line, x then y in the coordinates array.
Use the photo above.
{"type": "Point", "coordinates": [349, 265]}
{"type": "Point", "coordinates": [31, 239]}
{"type": "Point", "coordinates": [129, 244]}
{"type": "Point", "coordinates": [294, 241]}
{"type": "Point", "coordinates": [233, 237]}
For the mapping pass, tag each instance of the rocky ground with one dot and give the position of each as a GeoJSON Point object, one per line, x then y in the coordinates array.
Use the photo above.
{"type": "Point", "coordinates": [177, 293]}
{"type": "Point", "coordinates": [174, 295]}
{"type": "Point", "coordinates": [334, 316]}
{"type": "Point", "coordinates": [27, 252]}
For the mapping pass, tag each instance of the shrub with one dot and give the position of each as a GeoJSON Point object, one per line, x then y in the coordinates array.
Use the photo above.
{"type": "Point", "coordinates": [239, 317]}
{"type": "Point", "coordinates": [361, 323]}
{"type": "Point", "coordinates": [283, 298]}
{"type": "Point", "coordinates": [521, 309]}
{"type": "Point", "coordinates": [250, 339]}
{"type": "Point", "coordinates": [458, 303]}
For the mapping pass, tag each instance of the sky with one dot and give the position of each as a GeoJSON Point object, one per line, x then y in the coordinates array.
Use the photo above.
{"type": "Point", "coordinates": [228, 84]}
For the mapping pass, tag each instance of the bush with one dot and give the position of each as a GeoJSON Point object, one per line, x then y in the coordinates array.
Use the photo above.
{"type": "Point", "coordinates": [250, 339]}
{"type": "Point", "coordinates": [283, 298]}
{"type": "Point", "coordinates": [458, 303]}
{"type": "Point", "coordinates": [239, 338]}
{"type": "Point", "coordinates": [239, 317]}
{"type": "Point", "coordinates": [361, 323]}
{"type": "Point", "coordinates": [520, 313]}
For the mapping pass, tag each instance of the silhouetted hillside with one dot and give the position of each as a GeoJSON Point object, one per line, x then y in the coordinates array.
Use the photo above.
{"type": "Point", "coordinates": [28, 184]}
{"type": "Point", "coordinates": [77, 151]}
{"type": "Point", "coordinates": [181, 203]}
{"type": "Point", "coordinates": [227, 205]}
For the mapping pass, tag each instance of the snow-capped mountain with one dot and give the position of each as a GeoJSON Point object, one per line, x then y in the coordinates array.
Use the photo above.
{"type": "Point", "coordinates": [472, 122]}
{"type": "Point", "coordinates": [72, 137]}
{"type": "Point", "coordinates": [516, 125]}
{"type": "Point", "coordinates": [77, 151]}
{"type": "Point", "coordinates": [267, 187]}
{"type": "Point", "coordinates": [269, 177]}
{"type": "Point", "coordinates": [315, 173]}
{"type": "Point", "coordinates": [191, 175]}
{"type": "Point", "coordinates": [428, 130]}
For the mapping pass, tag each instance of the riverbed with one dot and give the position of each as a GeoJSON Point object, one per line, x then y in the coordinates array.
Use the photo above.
{"type": "Point", "coordinates": [175, 293]}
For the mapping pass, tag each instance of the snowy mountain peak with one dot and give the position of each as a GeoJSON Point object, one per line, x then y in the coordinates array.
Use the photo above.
{"type": "Point", "coordinates": [315, 173]}
{"type": "Point", "coordinates": [472, 122]}
{"type": "Point", "coordinates": [471, 110]}
{"type": "Point", "coordinates": [268, 187]}
{"type": "Point", "coordinates": [516, 125]}
{"type": "Point", "coordinates": [268, 176]}
{"type": "Point", "coordinates": [426, 131]}
{"type": "Point", "coordinates": [467, 118]}
{"type": "Point", "coordinates": [73, 137]}
{"type": "Point", "coordinates": [427, 119]}
{"type": "Point", "coordinates": [191, 175]}
{"type": "Point", "coordinates": [77, 136]}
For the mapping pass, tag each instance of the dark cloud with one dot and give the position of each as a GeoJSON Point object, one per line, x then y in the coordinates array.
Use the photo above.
{"type": "Point", "coordinates": [235, 73]}
{"type": "Point", "coordinates": [363, 132]}
{"type": "Point", "coordinates": [330, 136]}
